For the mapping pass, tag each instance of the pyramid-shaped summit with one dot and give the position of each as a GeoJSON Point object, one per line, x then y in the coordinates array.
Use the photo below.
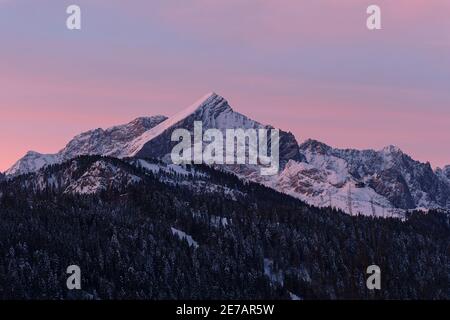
{"type": "Point", "coordinates": [151, 136]}
{"type": "Point", "coordinates": [209, 107]}
{"type": "Point", "coordinates": [214, 112]}
{"type": "Point", "coordinates": [211, 101]}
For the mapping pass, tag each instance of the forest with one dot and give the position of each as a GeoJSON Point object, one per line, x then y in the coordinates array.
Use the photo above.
{"type": "Point", "coordinates": [256, 244]}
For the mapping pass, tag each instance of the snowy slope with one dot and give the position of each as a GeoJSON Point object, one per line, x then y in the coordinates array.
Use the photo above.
{"type": "Point", "coordinates": [381, 183]}
{"type": "Point", "coordinates": [214, 112]}
{"type": "Point", "coordinates": [76, 179]}
{"type": "Point", "coordinates": [330, 188]}
{"type": "Point", "coordinates": [138, 143]}
{"type": "Point", "coordinates": [86, 175]}
{"type": "Point", "coordinates": [108, 142]}
{"type": "Point", "coordinates": [32, 162]}
{"type": "Point", "coordinates": [184, 236]}
{"type": "Point", "coordinates": [100, 176]}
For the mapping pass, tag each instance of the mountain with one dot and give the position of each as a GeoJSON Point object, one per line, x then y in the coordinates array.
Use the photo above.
{"type": "Point", "coordinates": [215, 113]}
{"type": "Point", "coordinates": [386, 182]}
{"type": "Point", "coordinates": [109, 142]}
{"type": "Point", "coordinates": [89, 175]}
{"type": "Point", "coordinates": [31, 162]}
{"type": "Point", "coordinates": [151, 137]}
{"type": "Point", "coordinates": [81, 177]}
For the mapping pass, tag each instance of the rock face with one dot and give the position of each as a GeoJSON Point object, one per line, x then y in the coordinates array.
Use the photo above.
{"type": "Point", "coordinates": [81, 175]}
{"type": "Point", "coordinates": [391, 184]}
{"type": "Point", "coordinates": [100, 176]}
{"type": "Point", "coordinates": [393, 175]}
{"type": "Point", "coordinates": [109, 142]}
{"type": "Point", "coordinates": [89, 175]}
{"type": "Point", "coordinates": [215, 113]}
{"type": "Point", "coordinates": [31, 162]}
{"type": "Point", "coordinates": [444, 174]}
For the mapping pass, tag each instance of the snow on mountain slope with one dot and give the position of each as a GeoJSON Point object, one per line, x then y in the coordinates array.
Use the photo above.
{"type": "Point", "coordinates": [109, 142]}
{"type": "Point", "coordinates": [77, 178]}
{"type": "Point", "coordinates": [166, 168]}
{"type": "Point", "coordinates": [381, 183]}
{"type": "Point", "coordinates": [444, 174]}
{"type": "Point", "coordinates": [188, 176]}
{"type": "Point", "coordinates": [214, 112]}
{"type": "Point", "coordinates": [328, 185]}
{"type": "Point", "coordinates": [184, 236]}
{"type": "Point", "coordinates": [376, 183]}
{"type": "Point", "coordinates": [100, 176]}
{"type": "Point", "coordinates": [94, 174]}
{"type": "Point", "coordinates": [32, 162]}
{"type": "Point", "coordinates": [137, 144]}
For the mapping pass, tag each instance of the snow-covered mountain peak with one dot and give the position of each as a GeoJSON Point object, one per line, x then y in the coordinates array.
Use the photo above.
{"type": "Point", "coordinates": [211, 101]}
{"type": "Point", "coordinates": [391, 149]}
{"type": "Point", "coordinates": [209, 106]}
{"type": "Point", "coordinates": [108, 142]}
{"type": "Point", "coordinates": [31, 162]}
{"type": "Point", "coordinates": [212, 110]}
{"type": "Point", "coordinates": [393, 175]}
{"type": "Point", "coordinates": [124, 131]}
{"type": "Point", "coordinates": [315, 146]}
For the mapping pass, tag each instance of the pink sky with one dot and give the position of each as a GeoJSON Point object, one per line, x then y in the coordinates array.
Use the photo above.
{"type": "Point", "coordinates": [310, 67]}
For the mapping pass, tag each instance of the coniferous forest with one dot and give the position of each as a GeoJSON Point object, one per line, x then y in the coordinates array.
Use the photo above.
{"type": "Point", "coordinates": [254, 244]}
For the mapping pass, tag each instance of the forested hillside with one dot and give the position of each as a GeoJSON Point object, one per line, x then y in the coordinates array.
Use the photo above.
{"type": "Point", "coordinates": [161, 238]}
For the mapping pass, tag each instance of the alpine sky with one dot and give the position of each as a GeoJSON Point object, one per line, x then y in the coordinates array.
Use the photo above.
{"type": "Point", "coordinates": [310, 67]}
